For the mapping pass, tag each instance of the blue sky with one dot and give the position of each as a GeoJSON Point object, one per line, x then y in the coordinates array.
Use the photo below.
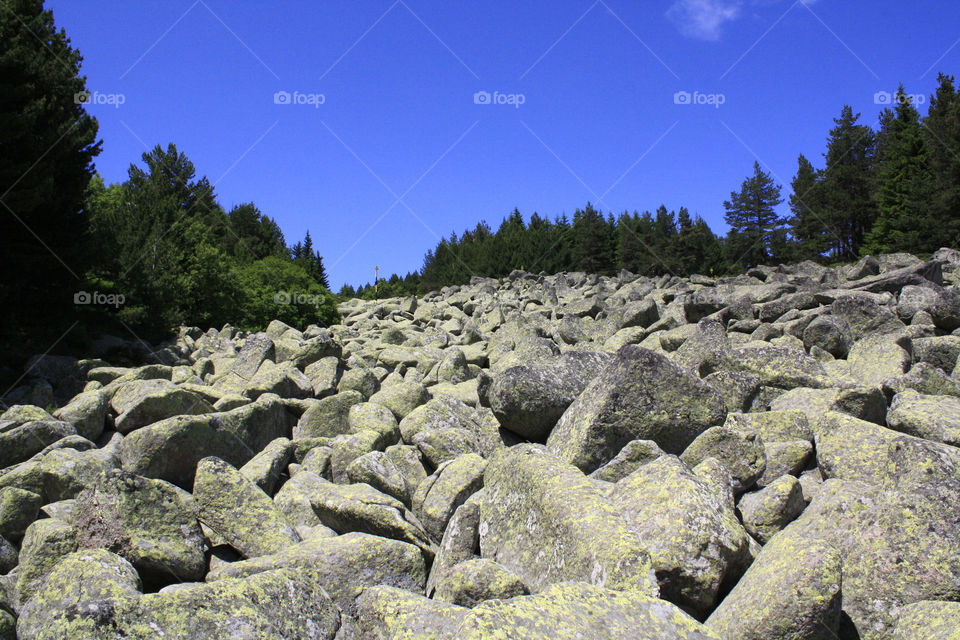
{"type": "Point", "coordinates": [404, 120]}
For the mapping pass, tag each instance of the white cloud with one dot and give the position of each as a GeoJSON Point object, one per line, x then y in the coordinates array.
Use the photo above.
{"type": "Point", "coordinates": [703, 19]}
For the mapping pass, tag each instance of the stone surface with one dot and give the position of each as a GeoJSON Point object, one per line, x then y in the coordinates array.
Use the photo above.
{"type": "Point", "coordinates": [641, 395]}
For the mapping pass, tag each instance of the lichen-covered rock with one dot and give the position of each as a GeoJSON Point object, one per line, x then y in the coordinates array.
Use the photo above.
{"type": "Point", "coordinates": [769, 510]}
{"type": "Point", "coordinates": [934, 418]}
{"type": "Point", "coordinates": [283, 604]}
{"type": "Point", "coordinates": [380, 472]}
{"type": "Point", "coordinates": [830, 333]}
{"type": "Point", "coordinates": [741, 451]}
{"type": "Point", "coordinates": [343, 565]}
{"type": "Point", "coordinates": [239, 510]}
{"type": "Point", "coordinates": [18, 509]}
{"type": "Point", "coordinates": [373, 417]}
{"type": "Point", "coordinates": [8, 556]}
{"type": "Point", "coordinates": [852, 449]}
{"type": "Point", "coordinates": [67, 472]}
{"type": "Point", "coordinates": [529, 399]}
{"type": "Point", "coordinates": [865, 403]}
{"type": "Point", "coordinates": [929, 620]}
{"type": "Point", "coordinates": [450, 485]}
{"type": "Point", "coordinates": [328, 417]}
{"type": "Point", "coordinates": [265, 468]}
{"type": "Point", "coordinates": [785, 458]}
{"type": "Point", "coordinates": [474, 581]}
{"type": "Point", "coordinates": [363, 381]}
{"type": "Point", "coordinates": [877, 357]}
{"type": "Point", "coordinates": [461, 541]}
{"type": "Point", "coordinates": [641, 395]}
{"type": "Point", "coordinates": [773, 426]}
{"type": "Point", "coordinates": [22, 442]}
{"type": "Point", "coordinates": [633, 456]}
{"type": "Point", "coordinates": [688, 527]}
{"type": "Point", "coordinates": [401, 398]}
{"type": "Point", "coordinates": [360, 507]}
{"type": "Point", "coordinates": [8, 626]}
{"type": "Point", "coordinates": [283, 379]}
{"type": "Point", "coordinates": [170, 449]}
{"type": "Point", "coordinates": [44, 544]}
{"type": "Point", "coordinates": [152, 405]}
{"type": "Point", "coordinates": [87, 412]}
{"type": "Point", "coordinates": [388, 613]}
{"type": "Point", "coordinates": [790, 592]}
{"type": "Point", "coordinates": [894, 534]}
{"type": "Point", "coordinates": [577, 610]}
{"type": "Point", "coordinates": [145, 521]}
{"type": "Point", "coordinates": [324, 374]}
{"type": "Point", "coordinates": [545, 521]}
{"type": "Point", "coordinates": [80, 597]}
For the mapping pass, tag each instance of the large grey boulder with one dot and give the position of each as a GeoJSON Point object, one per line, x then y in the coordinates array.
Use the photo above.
{"type": "Point", "coordinates": [545, 521]}
{"type": "Point", "coordinates": [439, 495]}
{"type": "Point", "coordinates": [343, 565]}
{"type": "Point", "coordinates": [170, 449]}
{"type": "Point", "coordinates": [690, 530]}
{"type": "Point", "coordinates": [145, 521]}
{"type": "Point", "coordinates": [934, 418]}
{"type": "Point", "coordinates": [790, 592]}
{"type": "Point", "coordinates": [529, 399]}
{"type": "Point", "coordinates": [239, 510]}
{"type": "Point", "coordinates": [641, 395]}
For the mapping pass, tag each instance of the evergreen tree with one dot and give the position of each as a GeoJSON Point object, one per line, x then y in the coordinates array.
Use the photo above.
{"type": "Point", "coordinates": [811, 235]}
{"type": "Point", "coordinates": [593, 242]}
{"type": "Point", "coordinates": [252, 235]}
{"type": "Point", "coordinates": [847, 189]}
{"type": "Point", "coordinates": [304, 255]}
{"type": "Point", "coordinates": [904, 186]}
{"type": "Point", "coordinates": [753, 219]}
{"type": "Point", "coordinates": [47, 146]}
{"type": "Point", "coordinates": [942, 135]}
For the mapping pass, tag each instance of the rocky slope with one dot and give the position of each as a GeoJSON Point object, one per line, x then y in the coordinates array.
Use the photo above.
{"type": "Point", "coordinates": [771, 456]}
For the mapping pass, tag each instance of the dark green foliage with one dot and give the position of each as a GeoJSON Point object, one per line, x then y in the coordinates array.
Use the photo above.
{"type": "Point", "coordinates": [47, 146]}
{"type": "Point", "coordinates": [177, 258]}
{"type": "Point", "coordinates": [904, 185]}
{"type": "Point", "coordinates": [754, 223]}
{"type": "Point", "coordinates": [942, 137]}
{"type": "Point", "coordinates": [847, 190]}
{"type": "Point", "coordinates": [277, 289]}
{"type": "Point", "coordinates": [808, 227]}
{"type": "Point", "coordinates": [310, 261]}
{"type": "Point", "coordinates": [252, 235]}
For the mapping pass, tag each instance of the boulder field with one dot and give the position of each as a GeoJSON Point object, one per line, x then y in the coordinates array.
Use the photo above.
{"type": "Point", "coordinates": [769, 456]}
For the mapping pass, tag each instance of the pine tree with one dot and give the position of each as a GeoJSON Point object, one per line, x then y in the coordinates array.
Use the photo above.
{"type": "Point", "coordinates": [808, 227]}
{"type": "Point", "coordinates": [593, 241]}
{"type": "Point", "coordinates": [847, 191]}
{"type": "Point", "coordinates": [942, 134]}
{"type": "Point", "coordinates": [904, 185]}
{"type": "Point", "coordinates": [753, 219]}
{"type": "Point", "coordinates": [47, 146]}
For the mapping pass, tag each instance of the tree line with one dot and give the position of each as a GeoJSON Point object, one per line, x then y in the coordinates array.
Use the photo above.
{"type": "Point", "coordinates": [893, 188]}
